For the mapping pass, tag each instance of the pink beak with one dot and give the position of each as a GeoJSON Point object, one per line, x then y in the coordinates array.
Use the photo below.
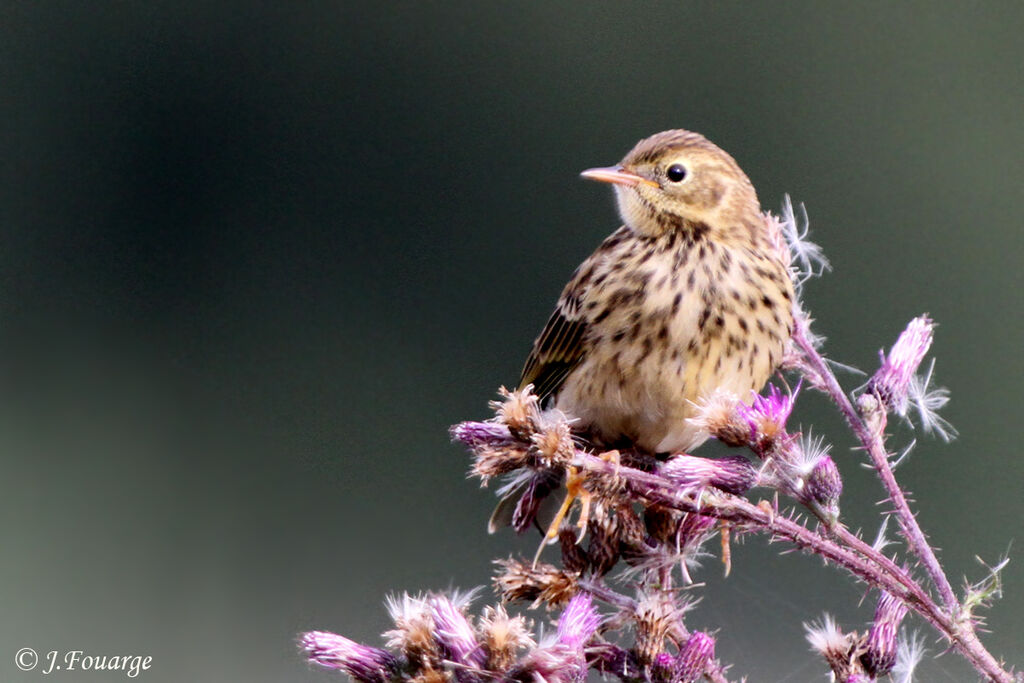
{"type": "Point", "coordinates": [617, 176]}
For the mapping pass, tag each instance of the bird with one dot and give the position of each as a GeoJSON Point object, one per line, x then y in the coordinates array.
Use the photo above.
{"type": "Point", "coordinates": [692, 295]}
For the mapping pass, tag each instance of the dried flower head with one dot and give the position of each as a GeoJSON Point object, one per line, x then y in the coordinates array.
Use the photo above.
{"type": "Point", "coordinates": [413, 634]}
{"type": "Point", "coordinates": [519, 411]}
{"type": "Point", "coordinates": [605, 533]}
{"type": "Point", "coordinates": [536, 583]}
{"type": "Point", "coordinates": [682, 549]}
{"type": "Point", "coordinates": [503, 637]}
{"type": "Point", "coordinates": [496, 460]}
{"type": "Point", "coordinates": [574, 556]}
{"type": "Point", "coordinates": [721, 415]}
{"type": "Point", "coordinates": [553, 440]}
{"type": "Point", "coordinates": [840, 650]}
{"type": "Point", "coordinates": [655, 616]}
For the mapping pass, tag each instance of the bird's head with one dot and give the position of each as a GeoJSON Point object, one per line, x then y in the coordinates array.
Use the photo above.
{"type": "Point", "coordinates": [677, 180]}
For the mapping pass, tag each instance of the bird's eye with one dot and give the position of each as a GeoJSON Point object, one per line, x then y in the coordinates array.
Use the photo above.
{"type": "Point", "coordinates": [676, 173]}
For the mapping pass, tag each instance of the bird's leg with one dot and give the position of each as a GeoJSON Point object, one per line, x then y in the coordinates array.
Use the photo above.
{"type": "Point", "coordinates": [614, 457]}
{"type": "Point", "coordinates": [573, 490]}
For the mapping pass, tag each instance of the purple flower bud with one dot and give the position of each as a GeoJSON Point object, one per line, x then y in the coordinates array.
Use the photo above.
{"type": "Point", "coordinates": [454, 633]}
{"type": "Point", "coordinates": [823, 484]}
{"type": "Point", "coordinates": [693, 657]}
{"type": "Point", "coordinates": [732, 474]}
{"type": "Point", "coordinates": [362, 663]}
{"type": "Point", "coordinates": [892, 381]}
{"type": "Point", "coordinates": [881, 641]}
{"type": "Point", "coordinates": [475, 434]}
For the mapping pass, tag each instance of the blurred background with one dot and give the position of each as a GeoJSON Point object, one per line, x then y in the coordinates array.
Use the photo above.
{"type": "Point", "coordinates": [255, 258]}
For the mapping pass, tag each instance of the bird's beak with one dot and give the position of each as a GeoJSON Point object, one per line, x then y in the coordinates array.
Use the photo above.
{"type": "Point", "coordinates": [617, 175]}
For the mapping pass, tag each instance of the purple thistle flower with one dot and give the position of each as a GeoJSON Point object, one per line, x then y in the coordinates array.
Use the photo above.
{"type": "Point", "coordinates": [767, 416]}
{"type": "Point", "coordinates": [454, 633]}
{"type": "Point", "coordinates": [561, 659]}
{"type": "Point", "coordinates": [891, 383]}
{"type": "Point", "coordinates": [362, 663]}
{"type": "Point", "coordinates": [733, 474]}
{"type": "Point", "coordinates": [881, 642]}
{"type": "Point", "coordinates": [579, 622]}
{"type": "Point", "coordinates": [693, 657]}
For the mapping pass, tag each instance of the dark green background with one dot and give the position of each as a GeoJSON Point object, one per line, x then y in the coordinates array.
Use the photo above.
{"type": "Point", "coordinates": [255, 258]}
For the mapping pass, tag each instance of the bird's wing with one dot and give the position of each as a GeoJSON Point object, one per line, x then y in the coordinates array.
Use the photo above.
{"type": "Point", "coordinates": [558, 349]}
{"type": "Point", "coordinates": [562, 344]}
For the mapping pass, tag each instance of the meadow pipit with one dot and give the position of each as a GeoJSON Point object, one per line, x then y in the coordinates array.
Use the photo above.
{"type": "Point", "coordinates": [690, 296]}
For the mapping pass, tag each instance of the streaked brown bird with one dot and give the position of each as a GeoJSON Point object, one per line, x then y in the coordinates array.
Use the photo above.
{"type": "Point", "coordinates": [690, 296]}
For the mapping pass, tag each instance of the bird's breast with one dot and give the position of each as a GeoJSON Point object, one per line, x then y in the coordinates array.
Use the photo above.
{"type": "Point", "coordinates": [667, 326]}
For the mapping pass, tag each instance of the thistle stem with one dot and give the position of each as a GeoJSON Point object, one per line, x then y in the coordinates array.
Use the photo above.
{"type": "Point", "coordinates": [853, 554]}
{"type": "Point", "coordinates": [959, 631]}
{"type": "Point", "coordinates": [875, 447]}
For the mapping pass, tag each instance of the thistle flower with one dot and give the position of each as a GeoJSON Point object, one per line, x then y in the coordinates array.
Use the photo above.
{"type": "Point", "coordinates": [880, 645]}
{"type": "Point", "coordinates": [364, 664]}
{"type": "Point", "coordinates": [579, 622]}
{"type": "Point", "coordinates": [454, 634]}
{"type": "Point", "coordinates": [561, 659]}
{"type": "Point", "coordinates": [531, 487]}
{"type": "Point", "coordinates": [892, 380]}
{"type": "Point", "coordinates": [766, 416]}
